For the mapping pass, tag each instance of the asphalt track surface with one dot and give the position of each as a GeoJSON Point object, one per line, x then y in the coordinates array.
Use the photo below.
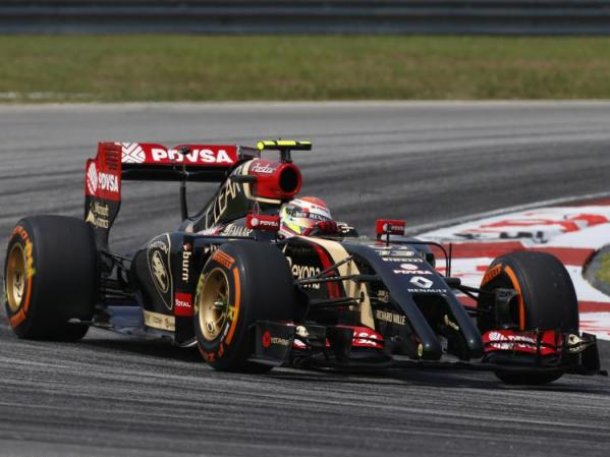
{"type": "Point", "coordinates": [111, 395]}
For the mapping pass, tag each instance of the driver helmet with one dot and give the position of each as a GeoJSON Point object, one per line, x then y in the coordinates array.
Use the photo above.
{"type": "Point", "coordinates": [300, 216]}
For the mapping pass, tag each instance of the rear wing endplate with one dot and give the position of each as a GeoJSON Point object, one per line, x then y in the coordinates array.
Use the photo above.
{"type": "Point", "coordinates": [116, 162]}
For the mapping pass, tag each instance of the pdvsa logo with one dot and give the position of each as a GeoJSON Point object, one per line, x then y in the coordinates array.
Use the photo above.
{"type": "Point", "coordinates": [101, 181]}
{"type": "Point", "coordinates": [92, 178]}
{"type": "Point", "coordinates": [195, 156]}
{"type": "Point", "coordinates": [264, 223]}
{"type": "Point", "coordinates": [108, 182]}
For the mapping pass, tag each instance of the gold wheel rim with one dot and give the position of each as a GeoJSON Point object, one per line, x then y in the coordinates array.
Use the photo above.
{"type": "Point", "coordinates": [213, 304]}
{"type": "Point", "coordinates": [16, 277]}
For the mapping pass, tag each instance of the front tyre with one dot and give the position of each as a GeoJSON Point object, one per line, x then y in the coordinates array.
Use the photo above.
{"type": "Point", "coordinates": [546, 300]}
{"type": "Point", "coordinates": [241, 283]}
{"type": "Point", "coordinates": [50, 277]}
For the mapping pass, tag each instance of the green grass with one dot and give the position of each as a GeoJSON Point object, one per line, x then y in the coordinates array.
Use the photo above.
{"type": "Point", "coordinates": [168, 68]}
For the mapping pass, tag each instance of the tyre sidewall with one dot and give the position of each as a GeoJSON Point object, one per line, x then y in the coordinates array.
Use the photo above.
{"type": "Point", "coordinates": [223, 350]}
{"type": "Point", "coordinates": [545, 288]}
{"type": "Point", "coordinates": [547, 301]}
{"type": "Point", "coordinates": [62, 277]}
{"type": "Point", "coordinates": [260, 288]}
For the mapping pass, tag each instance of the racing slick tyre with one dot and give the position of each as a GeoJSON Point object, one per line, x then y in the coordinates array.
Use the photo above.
{"type": "Point", "coordinates": [546, 300]}
{"type": "Point", "coordinates": [50, 277]}
{"type": "Point", "coordinates": [241, 283]}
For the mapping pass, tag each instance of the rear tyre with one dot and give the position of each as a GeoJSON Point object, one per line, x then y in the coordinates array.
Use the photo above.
{"type": "Point", "coordinates": [241, 283]}
{"type": "Point", "coordinates": [546, 301]}
{"type": "Point", "coordinates": [50, 277]}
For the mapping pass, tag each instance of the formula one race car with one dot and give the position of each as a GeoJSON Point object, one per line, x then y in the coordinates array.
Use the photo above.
{"type": "Point", "coordinates": [250, 299]}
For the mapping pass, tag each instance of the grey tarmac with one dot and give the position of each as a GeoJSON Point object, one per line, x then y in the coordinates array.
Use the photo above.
{"type": "Point", "coordinates": [427, 162]}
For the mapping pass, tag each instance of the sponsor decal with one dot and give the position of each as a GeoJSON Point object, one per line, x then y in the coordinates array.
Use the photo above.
{"type": "Point", "coordinates": [416, 272]}
{"type": "Point", "coordinates": [411, 269]}
{"type": "Point", "coordinates": [100, 181]}
{"type": "Point", "coordinates": [187, 252]}
{"type": "Point", "coordinates": [401, 258]}
{"type": "Point", "coordinates": [98, 215]}
{"type": "Point", "coordinates": [158, 254]}
{"type": "Point", "coordinates": [497, 336]}
{"type": "Point", "coordinates": [92, 178]}
{"type": "Point", "coordinates": [508, 340]}
{"type": "Point", "coordinates": [302, 331]}
{"type": "Point", "coordinates": [391, 226]}
{"type": "Point", "coordinates": [262, 168]}
{"type": "Point", "coordinates": [396, 253]}
{"type": "Point", "coordinates": [223, 259]}
{"type": "Point", "coordinates": [159, 321]}
{"type": "Point", "coordinates": [419, 281]}
{"type": "Point", "coordinates": [263, 222]}
{"type": "Point", "coordinates": [390, 317]}
{"type": "Point", "coordinates": [183, 304]}
{"type": "Point", "coordinates": [108, 182]}
{"type": "Point", "coordinates": [160, 272]}
{"type": "Point", "coordinates": [427, 291]}
{"type": "Point", "coordinates": [132, 153]}
{"type": "Point", "coordinates": [266, 340]}
{"type": "Point", "coordinates": [227, 193]}
{"type": "Point", "coordinates": [235, 230]}
{"type": "Point", "coordinates": [383, 296]}
{"type": "Point", "coordinates": [304, 272]}
{"type": "Point", "coordinates": [194, 156]}
{"type": "Point", "coordinates": [280, 341]}
{"type": "Point", "coordinates": [363, 337]}
{"type": "Point", "coordinates": [491, 274]}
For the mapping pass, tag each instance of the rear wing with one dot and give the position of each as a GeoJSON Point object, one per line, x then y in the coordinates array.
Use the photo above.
{"type": "Point", "coordinates": [149, 161]}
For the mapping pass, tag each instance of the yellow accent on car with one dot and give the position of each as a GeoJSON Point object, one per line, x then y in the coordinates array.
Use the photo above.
{"type": "Point", "coordinates": [284, 144]}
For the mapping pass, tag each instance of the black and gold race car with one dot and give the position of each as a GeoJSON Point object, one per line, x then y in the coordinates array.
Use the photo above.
{"type": "Point", "coordinates": [250, 299]}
